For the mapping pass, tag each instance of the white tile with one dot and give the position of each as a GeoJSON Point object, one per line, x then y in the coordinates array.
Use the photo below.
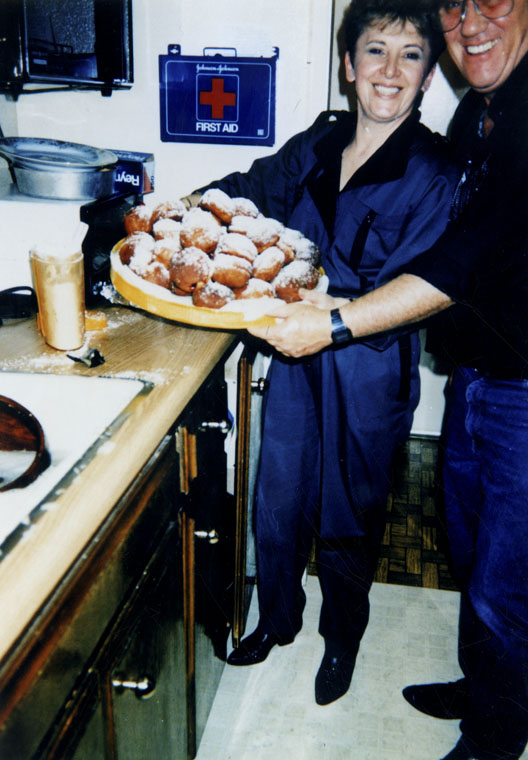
{"type": "Point", "coordinates": [271, 711]}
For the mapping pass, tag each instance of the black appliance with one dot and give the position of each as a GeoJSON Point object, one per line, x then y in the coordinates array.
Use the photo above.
{"type": "Point", "coordinates": [104, 218]}
{"type": "Point", "coordinates": [83, 44]}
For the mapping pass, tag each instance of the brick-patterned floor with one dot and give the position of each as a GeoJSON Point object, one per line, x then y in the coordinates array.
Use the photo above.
{"type": "Point", "coordinates": [414, 547]}
{"type": "Point", "coordinates": [413, 551]}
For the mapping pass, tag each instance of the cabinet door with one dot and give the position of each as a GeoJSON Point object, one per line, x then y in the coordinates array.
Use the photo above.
{"type": "Point", "coordinates": [129, 701]}
{"type": "Point", "coordinates": [207, 523]}
{"type": "Point", "coordinates": [148, 682]}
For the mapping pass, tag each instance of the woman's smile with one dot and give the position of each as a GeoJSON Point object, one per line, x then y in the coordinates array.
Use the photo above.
{"type": "Point", "coordinates": [386, 90]}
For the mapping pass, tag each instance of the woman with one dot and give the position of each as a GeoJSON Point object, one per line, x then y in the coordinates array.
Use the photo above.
{"type": "Point", "coordinates": [372, 190]}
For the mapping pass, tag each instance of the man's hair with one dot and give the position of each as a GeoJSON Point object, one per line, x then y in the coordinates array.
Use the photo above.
{"type": "Point", "coordinates": [423, 14]}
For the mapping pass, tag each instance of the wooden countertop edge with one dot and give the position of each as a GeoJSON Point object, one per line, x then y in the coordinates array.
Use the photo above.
{"type": "Point", "coordinates": [33, 568]}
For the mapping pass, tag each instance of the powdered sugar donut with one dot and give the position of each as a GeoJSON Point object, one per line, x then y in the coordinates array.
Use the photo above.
{"type": "Point", "coordinates": [305, 250]}
{"type": "Point", "coordinates": [164, 228]}
{"type": "Point", "coordinates": [200, 229]}
{"type": "Point", "coordinates": [165, 249]}
{"type": "Point", "coordinates": [237, 245]}
{"type": "Point", "coordinates": [268, 263]}
{"type": "Point", "coordinates": [264, 232]}
{"type": "Point", "coordinates": [288, 251]}
{"type": "Point", "coordinates": [169, 210]}
{"type": "Point", "coordinates": [212, 295]}
{"type": "Point", "coordinates": [298, 274]}
{"type": "Point", "coordinates": [245, 207]}
{"type": "Point", "coordinates": [219, 203]}
{"type": "Point", "coordinates": [189, 269]}
{"type": "Point", "coordinates": [232, 271]}
{"type": "Point", "coordinates": [139, 245]}
{"type": "Point", "coordinates": [255, 288]}
{"type": "Point", "coordinates": [138, 219]}
{"type": "Point", "coordinates": [157, 273]}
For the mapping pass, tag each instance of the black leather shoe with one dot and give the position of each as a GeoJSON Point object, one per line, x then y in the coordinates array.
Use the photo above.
{"type": "Point", "coordinates": [448, 701]}
{"type": "Point", "coordinates": [460, 752]}
{"type": "Point", "coordinates": [334, 676]}
{"type": "Point", "coordinates": [254, 648]}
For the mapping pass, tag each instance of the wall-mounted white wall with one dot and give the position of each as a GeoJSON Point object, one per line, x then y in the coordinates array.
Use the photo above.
{"type": "Point", "coordinates": [129, 120]}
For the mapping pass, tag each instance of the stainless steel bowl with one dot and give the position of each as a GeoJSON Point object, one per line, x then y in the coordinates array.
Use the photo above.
{"type": "Point", "coordinates": [64, 185]}
{"type": "Point", "coordinates": [56, 169]}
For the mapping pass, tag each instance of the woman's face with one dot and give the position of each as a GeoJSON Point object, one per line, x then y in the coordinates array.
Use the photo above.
{"type": "Point", "coordinates": [389, 68]}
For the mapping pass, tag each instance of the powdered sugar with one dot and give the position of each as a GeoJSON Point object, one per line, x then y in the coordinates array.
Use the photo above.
{"type": "Point", "coordinates": [142, 255]}
{"type": "Point", "coordinates": [166, 227]}
{"type": "Point", "coordinates": [245, 207]}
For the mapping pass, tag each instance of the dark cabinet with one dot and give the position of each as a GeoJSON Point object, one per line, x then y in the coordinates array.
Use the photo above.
{"type": "Point", "coordinates": [125, 659]}
{"type": "Point", "coordinates": [207, 525]}
{"type": "Point", "coordinates": [128, 698]}
{"type": "Point", "coordinates": [147, 684]}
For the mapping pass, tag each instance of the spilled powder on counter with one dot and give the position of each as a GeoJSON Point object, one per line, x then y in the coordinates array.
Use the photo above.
{"type": "Point", "coordinates": [43, 361]}
{"type": "Point", "coordinates": [117, 319]}
{"type": "Point", "coordinates": [156, 378]}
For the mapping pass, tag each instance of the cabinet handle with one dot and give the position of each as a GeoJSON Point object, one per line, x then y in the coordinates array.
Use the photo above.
{"type": "Point", "coordinates": [224, 426]}
{"type": "Point", "coordinates": [142, 688]}
{"type": "Point", "coordinates": [211, 536]}
{"type": "Point", "coordinates": [260, 385]}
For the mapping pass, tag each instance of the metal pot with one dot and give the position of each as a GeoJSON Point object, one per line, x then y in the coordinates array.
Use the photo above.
{"type": "Point", "coordinates": [64, 185]}
{"type": "Point", "coordinates": [61, 170]}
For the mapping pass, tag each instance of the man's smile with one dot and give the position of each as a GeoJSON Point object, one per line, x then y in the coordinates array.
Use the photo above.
{"type": "Point", "coordinates": [482, 48]}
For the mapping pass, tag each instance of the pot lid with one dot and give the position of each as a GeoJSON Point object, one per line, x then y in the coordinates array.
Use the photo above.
{"type": "Point", "coordinates": [53, 155]}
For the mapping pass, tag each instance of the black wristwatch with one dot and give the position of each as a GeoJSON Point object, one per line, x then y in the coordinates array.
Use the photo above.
{"type": "Point", "coordinates": [340, 332]}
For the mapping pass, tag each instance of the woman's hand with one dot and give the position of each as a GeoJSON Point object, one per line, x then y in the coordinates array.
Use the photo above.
{"type": "Point", "coordinates": [304, 327]}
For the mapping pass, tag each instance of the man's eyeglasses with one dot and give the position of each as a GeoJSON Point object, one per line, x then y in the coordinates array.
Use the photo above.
{"type": "Point", "coordinates": [453, 12]}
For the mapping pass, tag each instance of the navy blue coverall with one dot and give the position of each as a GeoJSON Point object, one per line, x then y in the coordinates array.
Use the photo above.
{"type": "Point", "coordinates": [332, 421]}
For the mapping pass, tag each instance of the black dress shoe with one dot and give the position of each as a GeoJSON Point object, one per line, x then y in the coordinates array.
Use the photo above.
{"type": "Point", "coordinates": [448, 701]}
{"type": "Point", "coordinates": [460, 752]}
{"type": "Point", "coordinates": [254, 648]}
{"type": "Point", "coordinates": [334, 676]}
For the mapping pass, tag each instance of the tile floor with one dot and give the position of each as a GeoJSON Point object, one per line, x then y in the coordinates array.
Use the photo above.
{"type": "Point", "coordinates": [268, 712]}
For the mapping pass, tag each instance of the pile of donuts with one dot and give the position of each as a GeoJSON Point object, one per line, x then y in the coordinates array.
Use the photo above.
{"type": "Point", "coordinates": [221, 250]}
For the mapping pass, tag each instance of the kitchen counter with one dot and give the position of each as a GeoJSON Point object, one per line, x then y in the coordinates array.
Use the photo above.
{"type": "Point", "coordinates": [175, 360]}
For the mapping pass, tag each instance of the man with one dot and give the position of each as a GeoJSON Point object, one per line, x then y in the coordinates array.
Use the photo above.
{"type": "Point", "coordinates": [481, 264]}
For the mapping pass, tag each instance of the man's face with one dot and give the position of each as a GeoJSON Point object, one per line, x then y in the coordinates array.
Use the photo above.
{"type": "Point", "coordinates": [486, 52]}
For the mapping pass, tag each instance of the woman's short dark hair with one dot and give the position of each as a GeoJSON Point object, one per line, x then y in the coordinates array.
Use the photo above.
{"type": "Point", "coordinates": [423, 14]}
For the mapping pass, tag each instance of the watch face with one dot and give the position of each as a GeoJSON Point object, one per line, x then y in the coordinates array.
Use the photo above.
{"type": "Point", "coordinates": [341, 335]}
{"type": "Point", "coordinates": [340, 332]}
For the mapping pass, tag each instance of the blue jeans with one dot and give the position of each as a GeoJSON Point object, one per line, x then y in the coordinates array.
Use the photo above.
{"type": "Point", "coordinates": [486, 494]}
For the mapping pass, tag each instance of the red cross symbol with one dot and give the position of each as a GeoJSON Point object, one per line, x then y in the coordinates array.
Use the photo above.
{"type": "Point", "coordinates": [217, 98]}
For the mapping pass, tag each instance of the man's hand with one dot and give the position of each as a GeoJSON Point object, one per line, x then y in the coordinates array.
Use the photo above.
{"type": "Point", "coordinates": [304, 327]}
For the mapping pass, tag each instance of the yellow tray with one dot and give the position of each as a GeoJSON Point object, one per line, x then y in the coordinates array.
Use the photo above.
{"type": "Point", "coordinates": [158, 300]}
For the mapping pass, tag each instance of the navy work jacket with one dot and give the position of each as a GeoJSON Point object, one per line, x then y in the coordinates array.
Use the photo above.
{"type": "Point", "coordinates": [393, 208]}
